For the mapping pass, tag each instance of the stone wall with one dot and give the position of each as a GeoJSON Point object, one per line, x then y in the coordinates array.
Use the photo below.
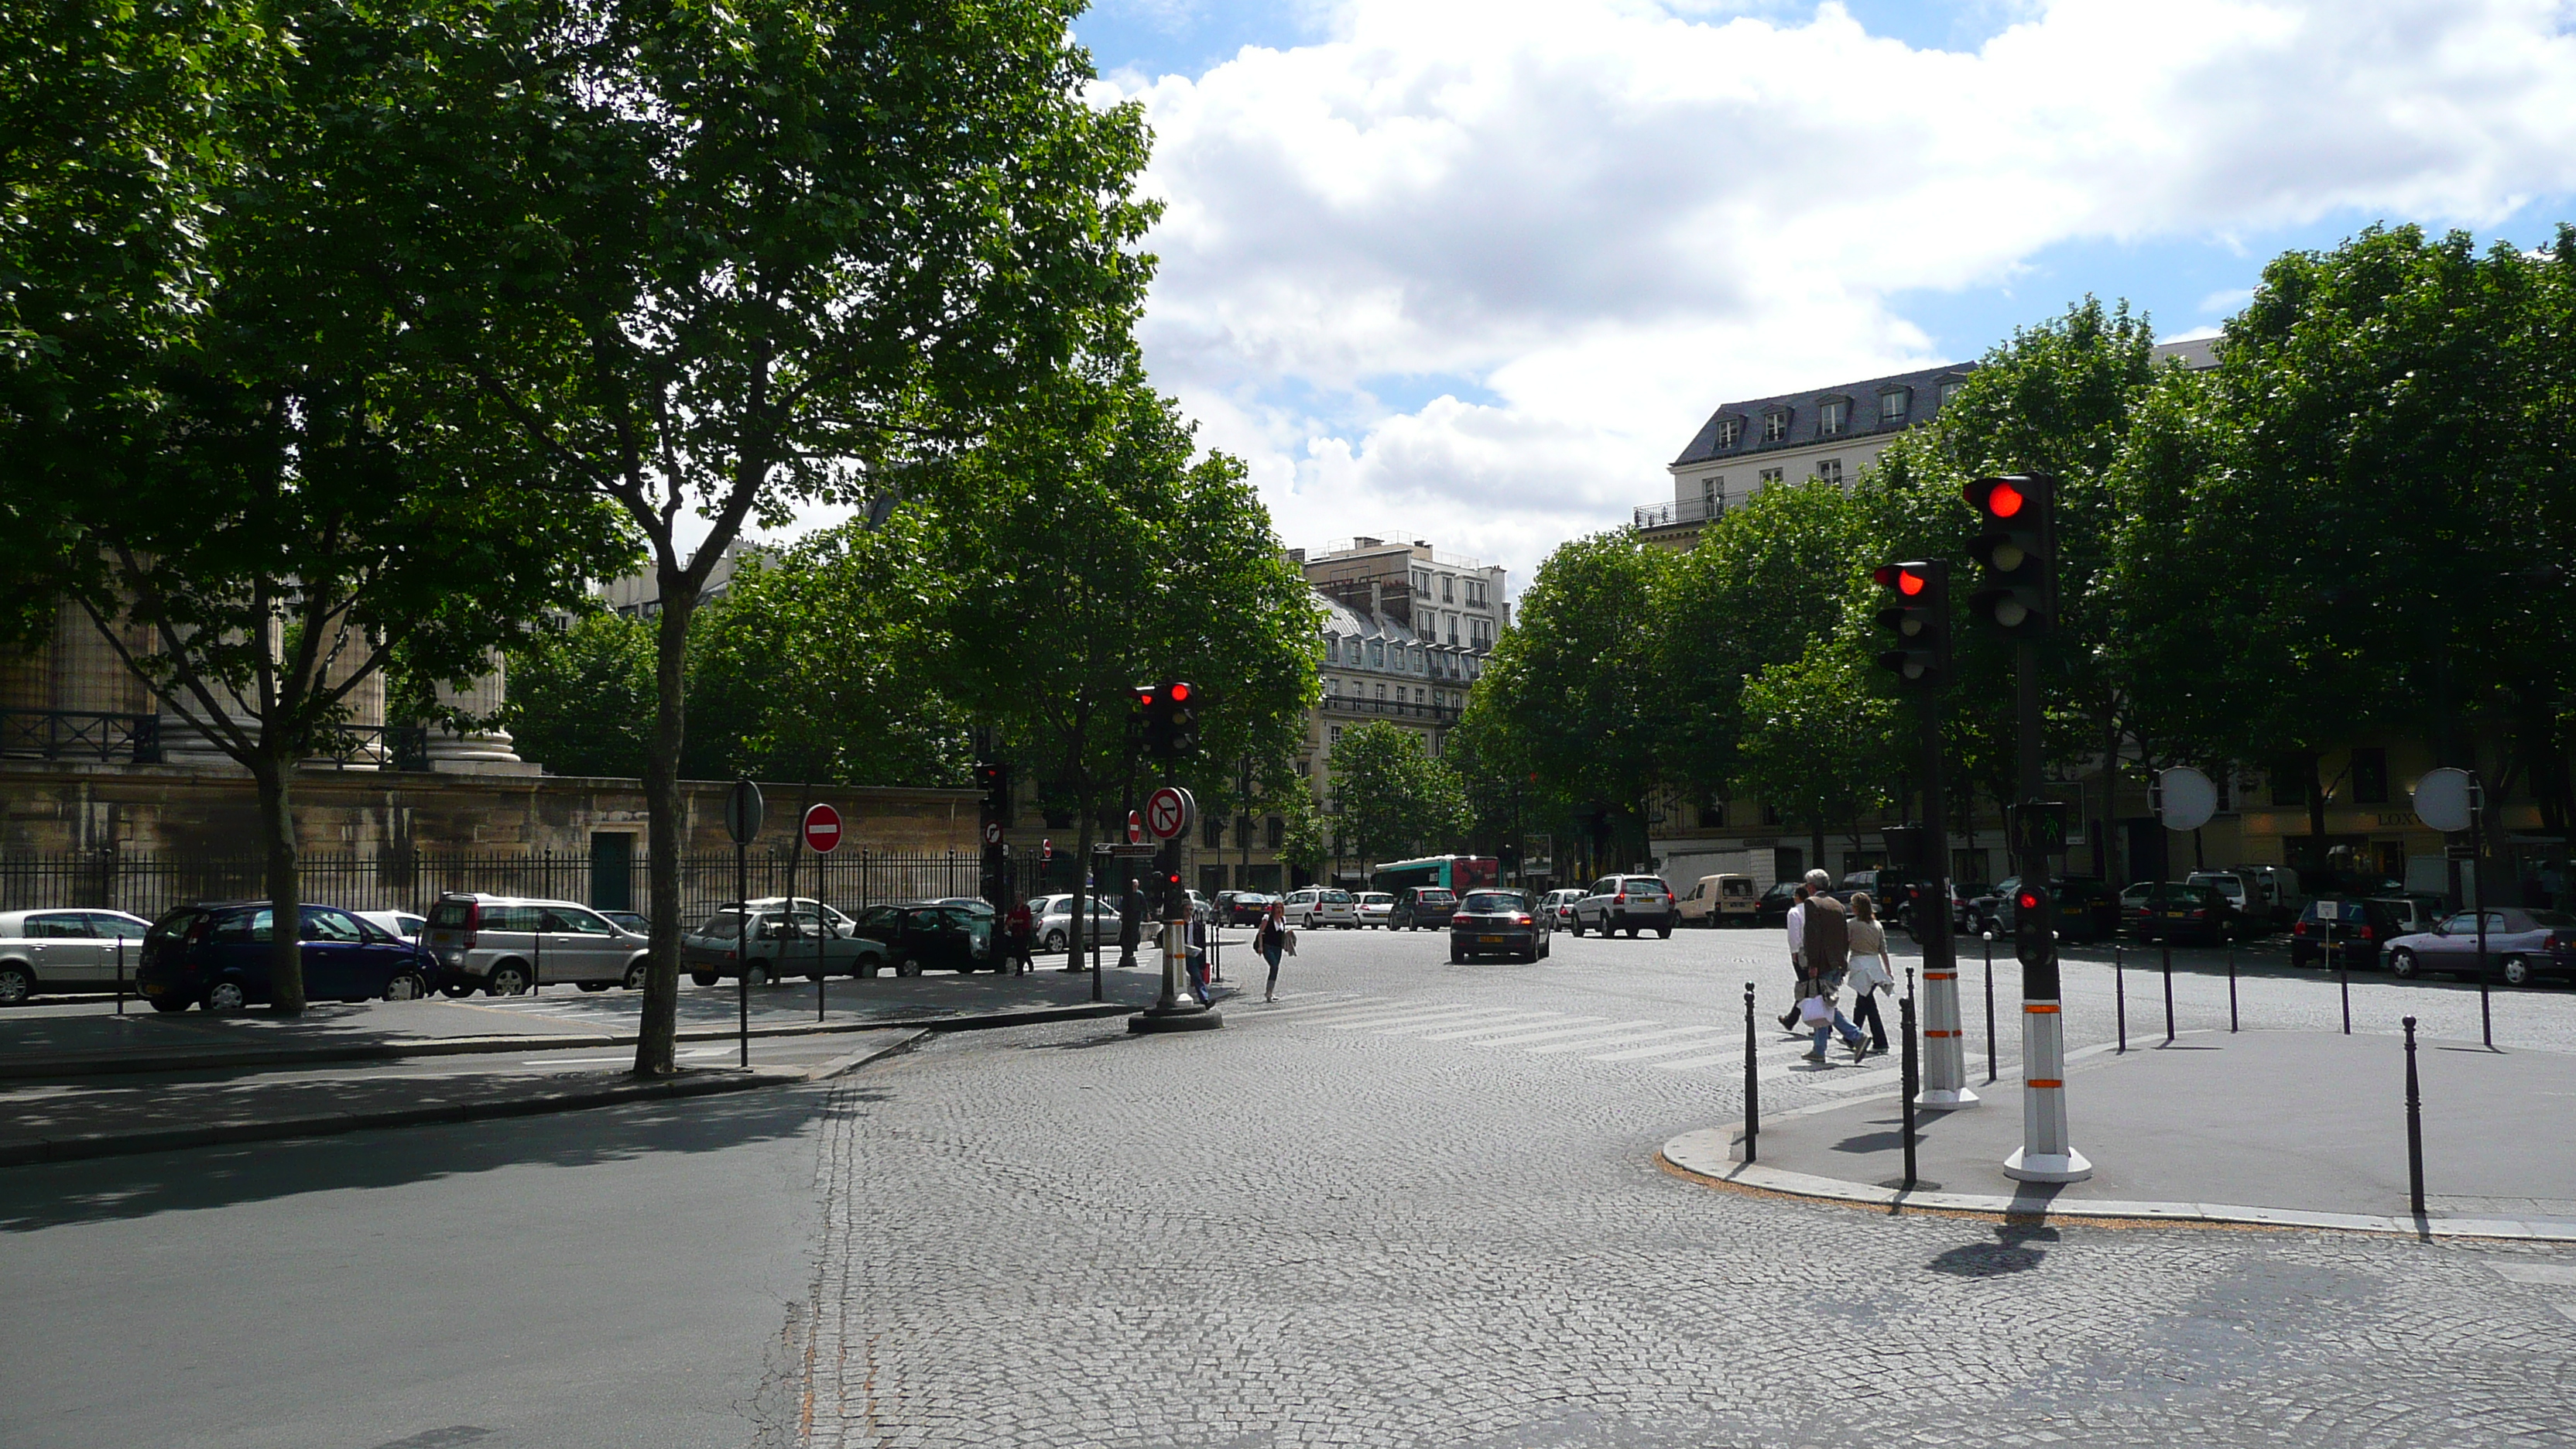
{"type": "Point", "coordinates": [173, 810]}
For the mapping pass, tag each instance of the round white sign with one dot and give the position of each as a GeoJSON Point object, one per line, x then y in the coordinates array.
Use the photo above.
{"type": "Point", "coordinates": [2442, 799]}
{"type": "Point", "coordinates": [2186, 798]}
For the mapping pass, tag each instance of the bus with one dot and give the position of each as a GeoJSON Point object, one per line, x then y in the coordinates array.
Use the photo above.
{"type": "Point", "coordinates": [1454, 872]}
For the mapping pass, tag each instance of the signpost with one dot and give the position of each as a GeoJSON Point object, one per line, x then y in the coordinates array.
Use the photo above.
{"type": "Point", "coordinates": [822, 836]}
{"type": "Point", "coordinates": [2451, 801]}
{"type": "Point", "coordinates": [742, 822]}
{"type": "Point", "coordinates": [1168, 815]}
{"type": "Point", "coordinates": [2183, 799]}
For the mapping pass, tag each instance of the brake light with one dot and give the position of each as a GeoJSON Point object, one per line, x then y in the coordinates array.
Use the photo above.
{"type": "Point", "coordinates": [2367, 934]}
{"type": "Point", "coordinates": [1523, 921]}
{"type": "Point", "coordinates": [473, 922]}
{"type": "Point", "coordinates": [2300, 929]}
{"type": "Point", "coordinates": [1620, 899]}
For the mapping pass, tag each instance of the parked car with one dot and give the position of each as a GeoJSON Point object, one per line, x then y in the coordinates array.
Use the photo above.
{"type": "Point", "coordinates": [2280, 891]}
{"type": "Point", "coordinates": [1497, 923]}
{"type": "Point", "coordinates": [1053, 916]}
{"type": "Point", "coordinates": [2412, 912]}
{"type": "Point", "coordinates": [509, 945]}
{"type": "Point", "coordinates": [2522, 946]}
{"type": "Point", "coordinates": [1421, 908]}
{"type": "Point", "coordinates": [2244, 892]}
{"type": "Point", "coordinates": [1718, 900]}
{"type": "Point", "coordinates": [2185, 913]}
{"type": "Point", "coordinates": [397, 923]}
{"type": "Point", "coordinates": [1373, 907]}
{"type": "Point", "coordinates": [1630, 903]}
{"type": "Point", "coordinates": [629, 921]}
{"type": "Point", "coordinates": [1241, 908]}
{"type": "Point", "coordinates": [1559, 905]}
{"type": "Point", "coordinates": [1322, 906]}
{"type": "Point", "coordinates": [47, 951]}
{"type": "Point", "coordinates": [2357, 929]}
{"type": "Point", "coordinates": [2087, 910]}
{"type": "Point", "coordinates": [805, 942]}
{"type": "Point", "coordinates": [917, 936]}
{"type": "Point", "coordinates": [1772, 909]}
{"type": "Point", "coordinates": [971, 905]}
{"type": "Point", "coordinates": [216, 955]}
{"type": "Point", "coordinates": [1963, 894]}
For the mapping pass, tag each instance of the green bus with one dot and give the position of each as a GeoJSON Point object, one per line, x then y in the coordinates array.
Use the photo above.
{"type": "Point", "coordinates": [1453, 872]}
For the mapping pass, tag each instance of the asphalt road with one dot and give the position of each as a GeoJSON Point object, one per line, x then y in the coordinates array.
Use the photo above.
{"type": "Point", "coordinates": [1413, 1203]}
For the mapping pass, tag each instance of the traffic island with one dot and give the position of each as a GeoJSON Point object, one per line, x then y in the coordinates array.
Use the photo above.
{"type": "Point", "coordinates": [1175, 1018]}
{"type": "Point", "coordinates": [2275, 1129]}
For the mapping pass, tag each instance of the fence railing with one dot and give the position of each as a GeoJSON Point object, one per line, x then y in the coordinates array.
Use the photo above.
{"type": "Point", "coordinates": [147, 885]}
{"type": "Point", "coordinates": [67, 734]}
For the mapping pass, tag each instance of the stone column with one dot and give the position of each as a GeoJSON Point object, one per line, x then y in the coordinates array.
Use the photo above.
{"type": "Point", "coordinates": [482, 749]}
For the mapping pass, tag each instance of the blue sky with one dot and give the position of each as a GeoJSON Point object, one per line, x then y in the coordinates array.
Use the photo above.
{"type": "Point", "coordinates": [1475, 271]}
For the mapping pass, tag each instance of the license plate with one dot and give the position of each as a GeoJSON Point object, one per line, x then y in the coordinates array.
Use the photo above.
{"type": "Point", "coordinates": [1489, 940]}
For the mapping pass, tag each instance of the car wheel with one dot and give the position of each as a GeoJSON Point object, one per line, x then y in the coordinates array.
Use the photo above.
{"type": "Point", "coordinates": [2517, 971]}
{"type": "Point", "coordinates": [166, 1003]}
{"type": "Point", "coordinates": [1054, 941]}
{"type": "Point", "coordinates": [636, 974]}
{"type": "Point", "coordinates": [406, 986]}
{"type": "Point", "coordinates": [1577, 927]}
{"type": "Point", "coordinates": [455, 989]}
{"type": "Point", "coordinates": [868, 966]}
{"type": "Point", "coordinates": [705, 978]}
{"type": "Point", "coordinates": [17, 983]}
{"type": "Point", "coordinates": [2401, 964]}
{"type": "Point", "coordinates": [756, 975]}
{"type": "Point", "coordinates": [1665, 934]}
{"type": "Point", "coordinates": [226, 996]}
{"type": "Point", "coordinates": [507, 978]}
{"type": "Point", "coordinates": [906, 966]}
{"type": "Point", "coordinates": [1456, 956]}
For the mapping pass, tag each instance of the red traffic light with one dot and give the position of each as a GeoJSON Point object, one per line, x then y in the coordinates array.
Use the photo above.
{"type": "Point", "coordinates": [1180, 693]}
{"type": "Point", "coordinates": [1906, 581]}
{"type": "Point", "coordinates": [2004, 501]}
{"type": "Point", "coordinates": [2027, 900]}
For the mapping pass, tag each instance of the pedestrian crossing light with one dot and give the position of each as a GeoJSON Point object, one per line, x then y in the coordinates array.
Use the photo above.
{"type": "Point", "coordinates": [2016, 544]}
{"type": "Point", "coordinates": [1917, 613]}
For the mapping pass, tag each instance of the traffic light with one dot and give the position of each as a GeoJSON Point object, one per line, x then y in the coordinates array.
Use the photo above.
{"type": "Point", "coordinates": [1918, 614]}
{"type": "Point", "coordinates": [1171, 714]}
{"type": "Point", "coordinates": [993, 778]}
{"type": "Point", "coordinates": [2034, 927]}
{"type": "Point", "coordinates": [2017, 544]}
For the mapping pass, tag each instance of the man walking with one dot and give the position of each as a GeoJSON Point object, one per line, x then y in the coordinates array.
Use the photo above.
{"type": "Point", "coordinates": [1819, 942]}
{"type": "Point", "coordinates": [1131, 923]}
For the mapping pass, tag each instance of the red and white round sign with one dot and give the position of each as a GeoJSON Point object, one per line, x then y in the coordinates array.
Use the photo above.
{"type": "Point", "coordinates": [1167, 812]}
{"type": "Point", "coordinates": [823, 829]}
{"type": "Point", "coordinates": [992, 835]}
{"type": "Point", "coordinates": [1135, 827]}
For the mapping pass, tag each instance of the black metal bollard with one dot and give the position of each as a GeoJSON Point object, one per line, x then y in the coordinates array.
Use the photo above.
{"type": "Point", "coordinates": [2120, 992]}
{"type": "Point", "coordinates": [1990, 1011]}
{"type": "Point", "coordinates": [1913, 1079]}
{"type": "Point", "coordinates": [2414, 1128]}
{"type": "Point", "coordinates": [1752, 1079]}
{"type": "Point", "coordinates": [2167, 944]}
{"type": "Point", "coordinates": [2343, 980]}
{"type": "Point", "coordinates": [2231, 985]}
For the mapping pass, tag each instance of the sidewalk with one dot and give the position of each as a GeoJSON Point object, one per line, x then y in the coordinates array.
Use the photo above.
{"type": "Point", "coordinates": [49, 1043]}
{"type": "Point", "coordinates": [2270, 1128]}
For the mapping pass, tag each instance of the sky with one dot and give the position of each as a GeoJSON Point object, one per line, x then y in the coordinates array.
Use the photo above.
{"type": "Point", "coordinates": [1474, 271]}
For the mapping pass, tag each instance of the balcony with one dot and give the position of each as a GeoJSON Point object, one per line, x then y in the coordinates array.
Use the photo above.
{"type": "Point", "coordinates": [1678, 513]}
{"type": "Point", "coordinates": [60, 734]}
{"type": "Point", "coordinates": [1443, 714]}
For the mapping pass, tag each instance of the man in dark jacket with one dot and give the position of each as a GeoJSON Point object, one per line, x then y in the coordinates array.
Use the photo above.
{"type": "Point", "coordinates": [1131, 923]}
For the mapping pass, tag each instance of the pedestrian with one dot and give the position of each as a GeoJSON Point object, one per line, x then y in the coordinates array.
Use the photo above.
{"type": "Point", "coordinates": [1131, 924]}
{"type": "Point", "coordinates": [1021, 930]}
{"type": "Point", "coordinates": [1869, 970]}
{"type": "Point", "coordinates": [1797, 925]}
{"type": "Point", "coordinates": [1271, 940]}
{"type": "Point", "coordinates": [1195, 958]}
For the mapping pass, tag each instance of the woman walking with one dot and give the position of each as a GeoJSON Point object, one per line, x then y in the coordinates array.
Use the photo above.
{"type": "Point", "coordinates": [1869, 973]}
{"type": "Point", "coordinates": [1270, 941]}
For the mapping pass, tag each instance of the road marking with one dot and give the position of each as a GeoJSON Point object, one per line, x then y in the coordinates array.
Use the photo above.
{"type": "Point", "coordinates": [1618, 1038]}
{"type": "Point", "coordinates": [1432, 1021]}
{"type": "Point", "coordinates": [1515, 1021]}
{"type": "Point", "coordinates": [2555, 1275]}
{"type": "Point", "coordinates": [1641, 1053]}
{"type": "Point", "coordinates": [1566, 1031]}
{"type": "Point", "coordinates": [1298, 1007]}
{"type": "Point", "coordinates": [1849, 1081]}
{"type": "Point", "coordinates": [1476, 1031]}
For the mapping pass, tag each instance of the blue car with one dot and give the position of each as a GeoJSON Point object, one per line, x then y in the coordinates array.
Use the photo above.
{"type": "Point", "coordinates": [216, 956]}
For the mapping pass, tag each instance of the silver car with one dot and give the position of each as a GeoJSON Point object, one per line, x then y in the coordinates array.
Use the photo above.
{"type": "Point", "coordinates": [508, 946]}
{"type": "Point", "coordinates": [42, 951]}
{"type": "Point", "coordinates": [1322, 906]}
{"type": "Point", "coordinates": [814, 939]}
{"type": "Point", "coordinates": [1054, 918]}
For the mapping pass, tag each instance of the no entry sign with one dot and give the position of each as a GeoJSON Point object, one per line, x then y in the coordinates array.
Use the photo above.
{"type": "Point", "coordinates": [1135, 827]}
{"type": "Point", "coordinates": [823, 829]}
{"type": "Point", "coordinates": [1168, 812]}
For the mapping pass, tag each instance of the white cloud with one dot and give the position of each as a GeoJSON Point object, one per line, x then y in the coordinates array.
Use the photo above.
{"type": "Point", "coordinates": [1590, 222]}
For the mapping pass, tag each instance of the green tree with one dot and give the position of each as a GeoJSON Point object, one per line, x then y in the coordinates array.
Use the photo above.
{"type": "Point", "coordinates": [1819, 739]}
{"type": "Point", "coordinates": [1391, 798]}
{"type": "Point", "coordinates": [581, 698]}
{"type": "Point", "coordinates": [720, 261]}
{"type": "Point", "coordinates": [1306, 839]}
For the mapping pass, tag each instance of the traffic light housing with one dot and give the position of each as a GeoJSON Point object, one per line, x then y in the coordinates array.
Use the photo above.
{"type": "Point", "coordinates": [993, 778]}
{"type": "Point", "coordinates": [2035, 927]}
{"type": "Point", "coordinates": [1917, 614]}
{"type": "Point", "coordinates": [2016, 544]}
{"type": "Point", "coordinates": [1171, 714]}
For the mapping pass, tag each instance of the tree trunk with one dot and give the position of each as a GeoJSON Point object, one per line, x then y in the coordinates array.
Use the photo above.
{"type": "Point", "coordinates": [655, 1046]}
{"type": "Point", "coordinates": [2104, 862]}
{"type": "Point", "coordinates": [285, 892]}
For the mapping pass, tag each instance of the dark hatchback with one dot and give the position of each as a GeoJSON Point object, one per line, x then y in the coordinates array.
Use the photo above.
{"type": "Point", "coordinates": [1497, 923]}
{"type": "Point", "coordinates": [918, 936]}
{"type": "Point", "coordinates": [216, 956]}
{"type": "Point", "coordinates": [1773, 908]}
{"type": "Point", "coordinates": [2187, 913]}
{"type": "Point", "coordinates": [2336, 931]}
{"type": "Point", "coordinates": [2087, 910]}
{"type": "Point", "coordinates": [1422, 908]}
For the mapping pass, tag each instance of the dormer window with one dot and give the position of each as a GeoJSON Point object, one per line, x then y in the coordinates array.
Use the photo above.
{"type": "Point", "coordinates": [1950, 389]}
{"type": "Point", "coordinates": [1893, 403]}
{"type": "Point", "coordinates": [1730, 431]}
{"type": "Point", "coordinates": [1832, 415]}
{"type": "Point", "coordinates": [1775, 425]}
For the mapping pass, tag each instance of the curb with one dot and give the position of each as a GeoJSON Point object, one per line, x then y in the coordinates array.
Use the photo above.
{"type": "Point", "coordinates": [32, 1069]}
{"type": "Point", "coordinates": [1707, 1156]}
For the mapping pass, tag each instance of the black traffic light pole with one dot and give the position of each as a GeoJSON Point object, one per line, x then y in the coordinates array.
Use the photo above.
{"type": "Point", "coordinates": [1919, 616]}
{"type": "Point", "coordinates": [1171, 731]}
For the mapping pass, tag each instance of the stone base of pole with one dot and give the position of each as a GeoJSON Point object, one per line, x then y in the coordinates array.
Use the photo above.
{"type": "Point", "coordinates": [2067, 1166]}
{"type": "Point", "coordinates": [1945, 1099]}
{"type": "Point", "coordinates": [1176, 1018]}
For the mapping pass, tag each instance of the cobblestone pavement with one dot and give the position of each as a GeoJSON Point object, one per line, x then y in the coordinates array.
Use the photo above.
{"type": "Point", "coordinates": [1415, 1204]}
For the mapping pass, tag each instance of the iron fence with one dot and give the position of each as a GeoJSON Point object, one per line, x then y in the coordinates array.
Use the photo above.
{"type": "Point", "coordinates": [147, 885]}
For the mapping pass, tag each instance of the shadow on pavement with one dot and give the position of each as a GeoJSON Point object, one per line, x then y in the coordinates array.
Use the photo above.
{"type": "Point", "coordinates": [108, 1189]}
{"type": "Point", "coordinates": [2009, 1254]}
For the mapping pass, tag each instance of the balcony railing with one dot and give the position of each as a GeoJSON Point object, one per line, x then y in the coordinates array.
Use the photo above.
{"type": "Point", "coordinates": [1401, 708]}
{"type": "Point", "coordinates": [66, 734]}
{"type": "Point", "coordinates": [372, 747]}
{"type": "Point", "coordinates": [1679, 511]}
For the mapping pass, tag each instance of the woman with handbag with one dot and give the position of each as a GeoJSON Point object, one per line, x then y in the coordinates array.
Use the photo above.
{"type": "Point", "coordinates": [1869, 972]}
{"type": "Point", "coordinates": [1271, 941]}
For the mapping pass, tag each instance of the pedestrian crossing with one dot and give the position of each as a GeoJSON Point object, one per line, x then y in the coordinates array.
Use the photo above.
{"type": "Point", "coordinates": [1711, 1049]}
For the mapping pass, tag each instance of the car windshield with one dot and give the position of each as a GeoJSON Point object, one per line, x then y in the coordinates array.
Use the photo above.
{"type": "Point", "coordinates": [1646, 884]}
{"type": "Point", "coordinates": [1436, 898]}
{"type": "Point", "coordinates": [723, 925]}
{"type": "Point", "coordinates": [1492, 903]}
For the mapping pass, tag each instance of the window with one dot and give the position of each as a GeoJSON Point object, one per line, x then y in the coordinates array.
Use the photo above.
{"type": "Point", "coordinates": [1830, 470]}
{"type": "Point", "coordinates": [1381, 691]}
{"type": "Point", "coordinates": [1448, 588]}
{"type": "Point", "coordinates": [2289, 784]}
{"type": "Point", "coordinates": [1276, 832]}
{"type": "Point", "coordinates": [1712, 495]}
{"type": "Point", "coordinates": [1950, 389]}
{"type": "Point", "coordinates": [1830, 417]}
{"type": "Point", "coordinates": [1422, 583]}
{"type": "Point", "coordinates": [2370, 777]}
{"type": "Point", "coordinates": [1775, 425]}
{"type": "Point", "coordinates": [1892, 404]}
{"type": "Point", "coordinates": [1377, 654]}
{"type": "Point", "coordinates": [1332, 649]}
{"type": "Point", "coordinates": [1769, 477]}
{"type": "Point", "coordinates": [1215, 830]}
{"type": "Point", "coordinates": [1334, 737]}
{"type": "Point", "coordinates": [1730, 431]}
{"type": "Point", "coordinates": [1712, 813]}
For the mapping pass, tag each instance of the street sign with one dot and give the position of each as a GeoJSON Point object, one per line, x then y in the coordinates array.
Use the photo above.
{"type": "Point", "coordinates": [992, 835]}
{"type": "Point", "coordinates": [1136, 827]}
{"type": "Point", "coordinates": [742, 812]}
{"type": "Point", "coordinates": [1116, 851]}
{"type": "Point", "coordinates": [2185, 797]}
{"type": "Point", "coordinates": [822, 829]}
{"type": "Point", "coordinates": [2445, 799]}
{"type": "Point", "coordinates": [1169, 812]}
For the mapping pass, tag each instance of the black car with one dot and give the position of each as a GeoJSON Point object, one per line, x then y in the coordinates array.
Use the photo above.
{"type": "Point", "coordinates": [2186, 913]}
{"type": "Point", "coordinates": [1773, 908]}
{"type": "Point", "coordinates": [1422, 908]}
{"type": "Point", "coordinates": [2343, 931]}
{"type": "Point", "coordinates": [1497, 923]}
{"type": "Point", "coordinates": [216, 955]}
{"type": "Point", "coordinates": [1243, 908]}
{"type": "Point", "coordinates": [918, 936]}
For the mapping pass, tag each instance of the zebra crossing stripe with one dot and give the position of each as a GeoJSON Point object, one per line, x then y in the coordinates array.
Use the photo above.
{"type": "Point", "coordinates": [1311, 1008]}
{"type": "Point", "coordinates": [1492, 1027]}
{"type": "Point", "coordinates": [1511, 1021]}
{"type": "Point", "coordinates": [1566, 1031]}
{"type": "Point", "coordinates": [1622, 1038]}
{"type": "Point", "coordinates": [1402, 1019]}
{"type": "Point", "coordinates": [1638, 1054]}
